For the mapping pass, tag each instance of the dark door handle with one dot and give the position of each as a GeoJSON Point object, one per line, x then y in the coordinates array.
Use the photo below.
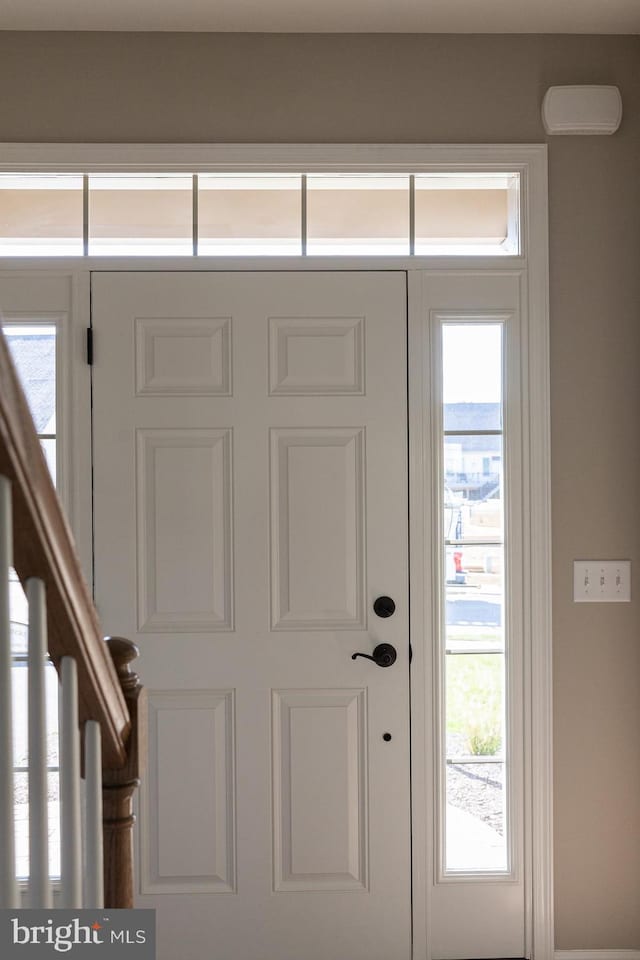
{"type": "Point", "coordinates": [384, 655]}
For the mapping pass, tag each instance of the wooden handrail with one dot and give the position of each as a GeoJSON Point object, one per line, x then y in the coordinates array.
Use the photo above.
{"type": "Point", "coordinates": [44, 548]}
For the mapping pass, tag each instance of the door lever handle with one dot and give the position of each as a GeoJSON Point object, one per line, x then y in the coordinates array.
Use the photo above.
{"type": "Point", "coordinates": [384, 655]}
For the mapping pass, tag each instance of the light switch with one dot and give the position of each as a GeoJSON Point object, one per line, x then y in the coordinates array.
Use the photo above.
{"type": "Point", "coordinates": [602, 581]}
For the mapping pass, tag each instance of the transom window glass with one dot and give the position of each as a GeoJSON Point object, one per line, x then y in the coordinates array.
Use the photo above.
{"type": "Point", "coordinates": [131, 215]}
{"type": "Point", "coordinates": [33, 350]}
{"type": "Point", "coordinates": [466, 214]}
{"type": "Point", "coordinates": [358, 214]}
{"type": "Point", "coordinates": [41, 215]}
{"type": "Point", "coordinates": [250, 215]}
{"type": "Point", "coordinates": [257, 214]}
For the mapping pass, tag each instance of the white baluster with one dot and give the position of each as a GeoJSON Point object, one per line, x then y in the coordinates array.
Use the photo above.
{"type": "Point", "coordinates": [8, 885]}
{"type": "Point", "coordinates": [39, 886]}
{"type": "Point", "coordinates": [70, 819]}
{"type": "Point", "coordinates": [93, 789]}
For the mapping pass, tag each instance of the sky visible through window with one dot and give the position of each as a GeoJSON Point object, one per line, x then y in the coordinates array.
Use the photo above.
{"type": "Point", "coordinates": [472, 363]}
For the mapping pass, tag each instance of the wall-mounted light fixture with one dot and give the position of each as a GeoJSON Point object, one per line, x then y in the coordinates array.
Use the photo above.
{"type": "Point", "coordinates": [582, 110]}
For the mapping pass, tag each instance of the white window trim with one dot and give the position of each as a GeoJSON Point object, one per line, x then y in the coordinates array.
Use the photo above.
{"type": "Point", "coordinates": [511, 440]}
{"type": "Point", "coordinates": [265, 158]}
{"type": "Point", "coordinates": [47, 291]}
{"type": "Point", "coordinates": [531, 161]}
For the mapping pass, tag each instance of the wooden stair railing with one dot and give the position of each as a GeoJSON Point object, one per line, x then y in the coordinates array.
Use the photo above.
{"type": "Point", "coordinates": [108, 690]}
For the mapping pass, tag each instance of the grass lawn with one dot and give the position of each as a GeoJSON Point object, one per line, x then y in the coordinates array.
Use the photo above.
{"type": "Point", "coordinates": [475, 700]}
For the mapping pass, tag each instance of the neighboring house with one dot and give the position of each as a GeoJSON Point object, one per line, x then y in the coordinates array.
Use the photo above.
{"type": "Point", "coordinates": [473, 464]}
{"type": "Point", "coordinates": [34, 357]}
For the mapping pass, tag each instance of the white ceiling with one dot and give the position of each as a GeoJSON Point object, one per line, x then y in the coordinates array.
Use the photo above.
{"type": "Point", "coordinates": [326, 16]}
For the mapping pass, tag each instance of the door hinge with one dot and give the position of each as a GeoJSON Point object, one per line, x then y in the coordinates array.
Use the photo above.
{"type": "Point", "coordinates": [90, 346]}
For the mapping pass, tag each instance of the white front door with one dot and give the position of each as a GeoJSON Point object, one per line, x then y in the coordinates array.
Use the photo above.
{"type": "Point", "coordinates": [250, 478]}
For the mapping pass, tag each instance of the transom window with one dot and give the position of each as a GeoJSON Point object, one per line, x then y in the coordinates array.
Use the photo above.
{"type": "Point", "coordinates": [222, 214]}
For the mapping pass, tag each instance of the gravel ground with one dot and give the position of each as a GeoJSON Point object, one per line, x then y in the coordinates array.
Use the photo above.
{"type": "Point", "coordinates": [475, 788]}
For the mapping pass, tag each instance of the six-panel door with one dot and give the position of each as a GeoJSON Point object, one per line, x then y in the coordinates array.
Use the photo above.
{"type": "Point", "coordinates": [250, 505]}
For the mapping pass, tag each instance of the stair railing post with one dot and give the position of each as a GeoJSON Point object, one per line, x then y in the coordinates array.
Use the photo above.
{"type": "Point", "coordinates": [119, 785]}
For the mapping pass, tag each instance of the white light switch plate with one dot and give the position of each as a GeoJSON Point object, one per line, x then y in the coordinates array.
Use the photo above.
{"type": "Point", "coordinates": [602, 581]}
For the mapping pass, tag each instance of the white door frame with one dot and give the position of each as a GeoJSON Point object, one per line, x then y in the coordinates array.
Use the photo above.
{"type": "Point", "coordinates": [532, 264]}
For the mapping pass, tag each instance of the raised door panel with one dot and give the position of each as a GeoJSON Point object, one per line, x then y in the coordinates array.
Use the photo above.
{"type": "Point", "coordinates": [320, 790]}
{"type": "Point", "coordinates": [316, 356]}
{"type": "Point", "coordinates": [183, 356]}
{"type": "Point", "coordinates": [191, 744]}
{"type": "Point", "coordinates": [184, 510]}
{"type": "Point", "coordinates": [317, 518]}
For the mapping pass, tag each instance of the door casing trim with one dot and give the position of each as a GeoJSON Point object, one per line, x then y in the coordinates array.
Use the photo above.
{"type": "Point", "coordinates": [531, 161]}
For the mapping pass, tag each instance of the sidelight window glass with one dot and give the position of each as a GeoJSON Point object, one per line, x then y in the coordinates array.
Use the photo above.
{"type": "Point", "coordinates": [33, 348]}
{"type": "Point", "coordinates": [474, 640]}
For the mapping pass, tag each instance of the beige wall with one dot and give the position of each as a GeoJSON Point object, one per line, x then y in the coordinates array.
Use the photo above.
{"type": "Point", "coordinates": [132, 87]}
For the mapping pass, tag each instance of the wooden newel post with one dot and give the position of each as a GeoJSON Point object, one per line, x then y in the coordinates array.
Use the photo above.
{"type": "Point", "coordinates": [119, 785]}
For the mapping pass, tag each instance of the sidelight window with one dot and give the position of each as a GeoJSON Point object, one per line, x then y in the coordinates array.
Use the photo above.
{"type": "Point", "coordinates": [474, 640]}
{"type": "Point", "coordinates": [33, 348]}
